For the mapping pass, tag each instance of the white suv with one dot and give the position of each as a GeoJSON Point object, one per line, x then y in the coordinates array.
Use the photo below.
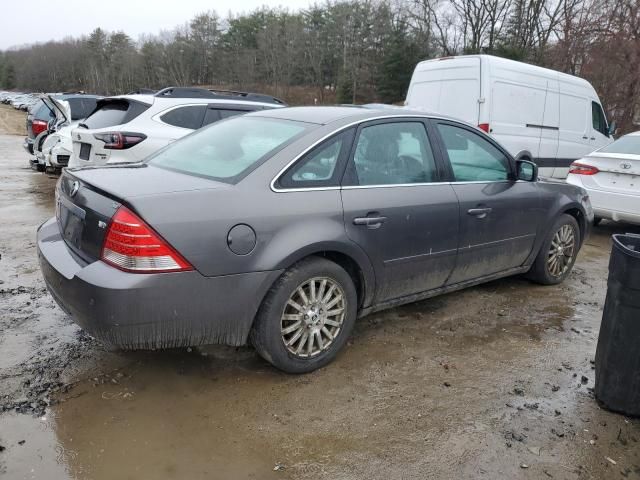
{"type": "Point", "coordinates": [128, 128]}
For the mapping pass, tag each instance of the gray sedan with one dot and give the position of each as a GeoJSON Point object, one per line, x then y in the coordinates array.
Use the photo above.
{"type": "Point", "coordinates": [281, 227]}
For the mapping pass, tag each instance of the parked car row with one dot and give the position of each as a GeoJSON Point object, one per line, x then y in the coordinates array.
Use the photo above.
{"type": "Point", "coordinates": [87, 130]}
{"type": "Point", "coordinates": [18, 100]}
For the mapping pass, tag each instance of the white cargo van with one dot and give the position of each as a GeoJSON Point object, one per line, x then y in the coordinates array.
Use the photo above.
{"type": "Point", "coordinates": [537, 114]}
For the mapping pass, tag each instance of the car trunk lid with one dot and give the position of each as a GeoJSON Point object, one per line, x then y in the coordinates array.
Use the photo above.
{"type": "Point", "coordinates": [617, 172]}
{"type": "Point", "coordinates": [87, 199]}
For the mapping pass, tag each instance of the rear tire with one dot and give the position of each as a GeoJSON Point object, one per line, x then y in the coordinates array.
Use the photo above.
{"type": "Point", "coordinates": [557, 253]}
{"type": "Point", "coordinates": [306, 317]}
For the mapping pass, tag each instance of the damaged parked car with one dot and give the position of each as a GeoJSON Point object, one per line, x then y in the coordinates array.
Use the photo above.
{"type": "Point", "coordinates": [280, 227]}
{"type": "Point", "coordinates": [51, 122]}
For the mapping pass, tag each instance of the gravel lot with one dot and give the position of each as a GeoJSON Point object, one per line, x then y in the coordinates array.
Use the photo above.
{"type": "Point", "coordinates": [492, 382]}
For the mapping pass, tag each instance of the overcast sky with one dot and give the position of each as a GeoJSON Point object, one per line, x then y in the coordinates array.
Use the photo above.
{"type": "Point", "coordinates": [41, 20]}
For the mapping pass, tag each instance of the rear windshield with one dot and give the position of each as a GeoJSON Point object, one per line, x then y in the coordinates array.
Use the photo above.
{"type": "Point", "coordinates": [114, 112]}
{"type": "Point", "coordinates": [226, 150]}
{"type": "Point", "coordinates": [628, 144]}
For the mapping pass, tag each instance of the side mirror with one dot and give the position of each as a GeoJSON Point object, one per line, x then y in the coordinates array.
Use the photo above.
{"type": "Point", "coordinates": [526, 170]}
{"type": "Point", "coordinates": [612, 128]}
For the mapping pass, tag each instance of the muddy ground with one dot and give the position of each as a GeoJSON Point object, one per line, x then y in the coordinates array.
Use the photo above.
{"type": "Point", "coordinates": [492, 382]}
{"type": "Point", "coordinates": [12, 121]}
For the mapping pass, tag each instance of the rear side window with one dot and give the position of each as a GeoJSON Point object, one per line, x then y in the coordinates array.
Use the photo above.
{"type": "Point", "coordinates": [185, 117]}
{"type": "Point", "coordinates": [473, 158]}
{"type": "Point", "coordinates": [81, 107]}
{"type": "Point", "coordinates": [319, 168]}
{"type": "Point", "coordinates": [215, 114]}
{"type": "Point", "coordinates": [394, 153]}
{"type": "Point", "coordinates": [230, 113]}
{"type": "Point", "coordinates": [225, 151]}
{"type": "Point", "coordinates": [114, 112]}
{"type": "Point", "coordinates": [598, 119]}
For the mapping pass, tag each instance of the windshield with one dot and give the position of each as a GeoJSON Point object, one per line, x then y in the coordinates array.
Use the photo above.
{"type": "Point", "coordinates": [225, 150]}
{"type": "Point", "coordinates": [629, 144]}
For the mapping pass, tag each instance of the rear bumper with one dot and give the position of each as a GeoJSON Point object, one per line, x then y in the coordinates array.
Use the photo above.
{"type": "Point", "coordinates": [140, 311]}
{"type": "Point", "coordinates": [619, 207]}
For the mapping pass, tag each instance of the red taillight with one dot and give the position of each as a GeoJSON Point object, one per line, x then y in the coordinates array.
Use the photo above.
{"type": "Point", "coordinates": [131, 245]}
{"type": "Point", "coordinates": [119, 140]}
{"type": "Point", "coordinates": [484, 127]}
{"type": "Point", "coordinates": [582, 169]}
{"type": "Point", "coordinates": [38, 126]}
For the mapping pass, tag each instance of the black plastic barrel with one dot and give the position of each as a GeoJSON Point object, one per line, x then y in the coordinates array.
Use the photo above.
{"type": "Point", "coordinates": [618, 352]}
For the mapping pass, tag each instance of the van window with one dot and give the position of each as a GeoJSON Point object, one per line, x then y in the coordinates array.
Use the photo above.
{"type": "Point", "coordinates": [473, 159]}
{"type": "Point", "coordinates": [598, 119]}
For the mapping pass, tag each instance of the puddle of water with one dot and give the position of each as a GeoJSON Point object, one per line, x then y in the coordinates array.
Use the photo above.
{"type": "Point", "coordinates": [41, 456]}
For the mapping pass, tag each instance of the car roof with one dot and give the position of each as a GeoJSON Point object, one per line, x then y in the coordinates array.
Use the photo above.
{"type": "Point", "coordinates": [169, 101]}
{"type": "Point", "coordinates": [325, 115]}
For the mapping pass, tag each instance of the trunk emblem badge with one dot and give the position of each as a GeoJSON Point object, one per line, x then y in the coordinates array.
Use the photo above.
{"type": "Point", "coordinates": [625, 165]}
{"type": "Point", "coordinates": [102, 224]}
{"type": "Point", "coordinates": [74, 189]}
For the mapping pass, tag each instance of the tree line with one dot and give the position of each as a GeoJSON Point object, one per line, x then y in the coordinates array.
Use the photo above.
{"type": "Point", "coordinates": [347, 51]}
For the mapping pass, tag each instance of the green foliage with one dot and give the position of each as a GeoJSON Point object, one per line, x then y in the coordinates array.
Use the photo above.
{"type": "Point", "coordinates": [9, 76]}
{"type": "Point", "coordinates": [394, 72]}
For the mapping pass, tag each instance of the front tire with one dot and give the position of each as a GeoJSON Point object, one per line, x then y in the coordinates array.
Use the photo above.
{"type": "Point", "coordinates": [306, 317]}
{"type": "Point", "coordinates": [557, 253]}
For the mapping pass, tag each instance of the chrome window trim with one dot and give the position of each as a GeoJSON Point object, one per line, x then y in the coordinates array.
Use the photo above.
{"type": "Point", "coordinates": [317, 142]}
{"type": "Point", "coordinates": [426, 184]}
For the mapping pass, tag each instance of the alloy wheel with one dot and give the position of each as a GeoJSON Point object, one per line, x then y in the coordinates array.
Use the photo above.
{"type": "Point", "coordinates": [313, 316]}
{"type": "Point", "coordinates": [561, 251]}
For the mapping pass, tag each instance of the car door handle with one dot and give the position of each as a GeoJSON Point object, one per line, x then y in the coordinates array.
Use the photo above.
{"type": "Point", "coordinates": [585, 138]}
{"type": "Point", "coordinates": [593, 138]}
{"type": "Point", "coordinates": [479, 212]}
{"type": "Point", "coordinates": [370, 222]}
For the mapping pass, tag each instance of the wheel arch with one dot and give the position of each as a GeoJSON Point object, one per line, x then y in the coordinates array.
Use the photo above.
{"type": "Point", "coordinates": [350, 257]}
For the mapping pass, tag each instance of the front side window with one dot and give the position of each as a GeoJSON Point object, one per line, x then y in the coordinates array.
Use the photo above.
{"type": "Point", "coordinates": [472, 158]}
{"type": "Point", "coordinates": [394, 153]}
{"type": "Point", "coordinates": [185, 117]}
{"type": "Point", "coordinates": [225, 151]}
{"type": "Point", "coordinates": [598, 119]}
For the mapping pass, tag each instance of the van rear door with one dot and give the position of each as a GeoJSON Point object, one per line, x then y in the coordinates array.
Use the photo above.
{"type": "Point", "coordinates": [449, 85]}
{"type": "Point", "coordinates": [575, 122]}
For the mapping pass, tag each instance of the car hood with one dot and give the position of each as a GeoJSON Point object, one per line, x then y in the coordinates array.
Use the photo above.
{"type": "Point", "coordinates": [127, 181]}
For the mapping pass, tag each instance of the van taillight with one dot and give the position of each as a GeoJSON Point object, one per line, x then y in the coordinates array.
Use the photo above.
{"type": "Point", "coordinates": [484, 127]}
{"type": "Point", "coordinates": [131, 245]}
{"type": "Point", "coordinates": [38, 126]}
{"type": "Point", "coordinates": [582, 169]}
